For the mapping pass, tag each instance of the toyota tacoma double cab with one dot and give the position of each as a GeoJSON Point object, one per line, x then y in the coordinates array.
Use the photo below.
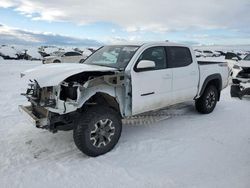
{"type": "Point", "coordinates": [116, 82]}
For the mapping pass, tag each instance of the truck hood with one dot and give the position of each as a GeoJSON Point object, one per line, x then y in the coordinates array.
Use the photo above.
{"type": "Point", "coordinates": [53, 74]}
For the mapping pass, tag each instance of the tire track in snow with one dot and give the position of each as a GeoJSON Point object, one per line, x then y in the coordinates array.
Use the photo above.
{"type": "Point", "coordinates": [55, 156]}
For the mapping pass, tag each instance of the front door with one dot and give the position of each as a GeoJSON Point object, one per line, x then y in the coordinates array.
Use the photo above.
{"type": "Point", "coordinates": [151, 89]}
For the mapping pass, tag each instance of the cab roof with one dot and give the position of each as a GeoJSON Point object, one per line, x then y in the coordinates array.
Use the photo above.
{"type": "Point", "coordinates": [148, 43]}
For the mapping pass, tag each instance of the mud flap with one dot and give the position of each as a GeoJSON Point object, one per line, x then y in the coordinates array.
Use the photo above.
{"type": "Point", "coordinates": [238, 91]}
{"type": "Point", "coordinates": [235, 91]}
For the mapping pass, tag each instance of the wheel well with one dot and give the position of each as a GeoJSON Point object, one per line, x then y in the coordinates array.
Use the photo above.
{"type": "Point", "coordinates": [215, 83]}
{"type": "Point", "coordinates": [214, 80]}
{"type": "Point", "coordinates": [103, 99]}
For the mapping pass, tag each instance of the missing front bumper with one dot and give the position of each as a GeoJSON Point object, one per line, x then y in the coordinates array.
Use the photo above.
{"type": "Point", "coordinates": [38, 119]}
{"type": "Point", "coordinates": [42, 118]}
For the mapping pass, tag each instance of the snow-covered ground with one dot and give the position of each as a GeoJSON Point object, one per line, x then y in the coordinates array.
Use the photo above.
{"type": "Point", "coordinates": [186, 149]}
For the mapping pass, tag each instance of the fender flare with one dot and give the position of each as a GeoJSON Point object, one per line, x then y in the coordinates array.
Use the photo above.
{"type": "Point", "coordinates": [209, 79]}
{"type": "Point", "coordinates": [105, 89]}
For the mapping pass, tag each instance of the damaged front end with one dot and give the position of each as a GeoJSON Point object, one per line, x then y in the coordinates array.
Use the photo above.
{"type": "Point", "coordinates": [43, 99]}
{"type": "Point", "coordinates": [57, 107]}
{"type": "Point", "coordinates": [241, 83]}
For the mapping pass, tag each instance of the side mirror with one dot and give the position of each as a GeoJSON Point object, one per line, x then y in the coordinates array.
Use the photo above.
{"type": "Point", "coordinates": [145, 65]}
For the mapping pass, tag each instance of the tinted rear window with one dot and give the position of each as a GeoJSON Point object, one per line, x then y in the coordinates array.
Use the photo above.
{"type": "Point", "coordinates": [179, 57]}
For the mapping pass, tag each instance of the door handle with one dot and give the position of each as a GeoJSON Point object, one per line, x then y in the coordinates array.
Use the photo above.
{"type": "Point", "coordinates": [146, 94]}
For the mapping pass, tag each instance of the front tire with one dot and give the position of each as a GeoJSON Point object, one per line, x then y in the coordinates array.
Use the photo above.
{"type": "Point", "coordinates": [97, 130]}
{"type": "Point", "coordinates": [207, 102]}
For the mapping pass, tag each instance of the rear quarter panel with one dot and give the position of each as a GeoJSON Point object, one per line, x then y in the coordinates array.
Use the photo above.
{"type": "Point", "coordinates": [212, 68]}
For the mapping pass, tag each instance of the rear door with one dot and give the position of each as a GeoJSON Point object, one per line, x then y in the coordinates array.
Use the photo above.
{"type": "Point", "coordinates": [185, 73]}
{"type": "Point", "coordinates": [151, 89]}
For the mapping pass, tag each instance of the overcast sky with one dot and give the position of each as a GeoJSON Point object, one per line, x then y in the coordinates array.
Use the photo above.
{"type": "Point", "coordinates": [92, 22]}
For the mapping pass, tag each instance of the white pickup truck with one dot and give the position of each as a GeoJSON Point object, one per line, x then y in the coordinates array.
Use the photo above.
{"type": "Point", "coordinates": [116, 82]}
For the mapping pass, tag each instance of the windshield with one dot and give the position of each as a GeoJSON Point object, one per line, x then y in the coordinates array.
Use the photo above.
{"type": "Point", "coordinates": [112, 56]}
{"type": "Point", "coordinates": [247, 57]}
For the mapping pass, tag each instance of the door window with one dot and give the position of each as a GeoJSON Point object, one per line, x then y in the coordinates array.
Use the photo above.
{"type": "Point", "coordinates": [179, 57]}
{"type": "Point", "coordinates": [156, 54]}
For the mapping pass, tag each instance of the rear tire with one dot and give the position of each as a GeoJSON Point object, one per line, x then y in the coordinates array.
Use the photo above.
{"type": "Point", "coordinates": [207, 102]}
{"type": "Point", "coordinates": [97, 130]}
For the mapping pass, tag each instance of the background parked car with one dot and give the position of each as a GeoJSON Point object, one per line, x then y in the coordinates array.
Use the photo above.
{"type": "Point", "coordinates": [199, 53]}
{"type": "Point", "coordinates": [209, 53]}
{"type": "Point", "coordinates": [237, 66]}
{"type": "Point", "coordinates": [221, 52]}
{"type": "Point", "coordinates": [232, 56]}
{"type": "Point", "coordinates": [216, 54]}
{"type": "Point", "coordinates": [67, 57]}
{"type": "Point", "coordinates": [48, 50]}
{"type": "Point", "coordinates": [232, 61]}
